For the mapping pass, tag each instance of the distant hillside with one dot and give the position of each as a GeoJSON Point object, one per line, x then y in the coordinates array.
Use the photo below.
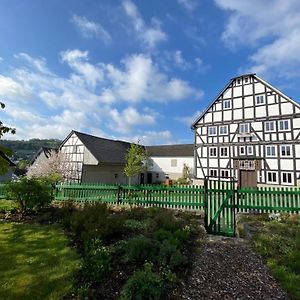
{"type": "Point", "coordinates": [26, 149]}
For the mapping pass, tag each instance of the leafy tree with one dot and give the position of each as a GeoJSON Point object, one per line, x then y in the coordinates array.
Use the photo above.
{"type": "Point", "coordinates": [135, 161]}
{"type": "Point", "coordinates": [4, 164]}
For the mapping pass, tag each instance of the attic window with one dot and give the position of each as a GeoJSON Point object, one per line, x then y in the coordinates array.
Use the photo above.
{"type": "Point", "coordinates": [226, 104]}
{"type": "Point", "coordinates": [239, 81]}
{"type": "Point", "coordinates": [246, 79]}
{"type": "Point", "coordinates": [260, 99]}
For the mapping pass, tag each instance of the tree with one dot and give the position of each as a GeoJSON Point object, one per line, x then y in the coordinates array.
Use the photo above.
{"type": "Point", "coordinates": [55, 168]}
{"type": "Point", "coordinates": [4, 164]}
{"type": "Point", "coordinates": [136, 159]}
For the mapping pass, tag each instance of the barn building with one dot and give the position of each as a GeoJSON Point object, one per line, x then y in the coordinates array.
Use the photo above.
{"type": "Point", "coordinates": [251, 131]}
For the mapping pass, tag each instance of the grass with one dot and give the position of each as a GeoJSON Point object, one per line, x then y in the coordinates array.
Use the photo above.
{"type": "Point", "coordinates": [278, 242]}
{"type": "Point", "coordinates": [7, 205]}
{"type": "Point", "coordinates": [35, 262]}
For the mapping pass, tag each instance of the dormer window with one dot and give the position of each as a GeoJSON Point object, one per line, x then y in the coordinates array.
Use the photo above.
{"type": "Point", "coordinates": [260, 99]}
{"type": "Point", "coordinates": [244, 128]}
{"type": "Point", "coordinates": [226, 104]}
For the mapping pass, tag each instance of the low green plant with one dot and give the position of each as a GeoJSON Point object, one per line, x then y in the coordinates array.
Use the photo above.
{"type": "Point", "coordinates": [29, 193]}
{"type": "Point", "coordinates": [165, 219]}
{"type": "Point", "coordinates": [97, 261]}
{"type": "Point", "coordinates": [143, 285]}
{"type": "Point", "coordinates": [138, 249]}
{"type": "Point", "coordinates": [96, 221]}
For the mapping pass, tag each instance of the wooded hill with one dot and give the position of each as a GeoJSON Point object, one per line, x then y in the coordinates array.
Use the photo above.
{"type": "Point", "coordinates": [26, 149]}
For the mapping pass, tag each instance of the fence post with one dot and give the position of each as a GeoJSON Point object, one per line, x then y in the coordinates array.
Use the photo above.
{"type": "Point", "coordinates": [206, 202]}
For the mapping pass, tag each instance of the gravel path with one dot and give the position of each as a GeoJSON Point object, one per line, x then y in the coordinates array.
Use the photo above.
{"type": "Point", "coordinates": [227, 268]}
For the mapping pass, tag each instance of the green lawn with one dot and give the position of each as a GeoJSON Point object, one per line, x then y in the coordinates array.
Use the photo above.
{"type": "Point", "coordinates": [35, 262]}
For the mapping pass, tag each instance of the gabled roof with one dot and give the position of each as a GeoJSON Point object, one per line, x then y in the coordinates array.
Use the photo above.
{"type": "Point", "coordinates": [171, 150]}
{"type": "Point", "coordinates": [5, 157]}
{"type": "Point", "coordinates": [46, 150]}
{"type": "Point", "coordinates": [228, 85]}
{"type": "Point", "coordinates": [105, 150]}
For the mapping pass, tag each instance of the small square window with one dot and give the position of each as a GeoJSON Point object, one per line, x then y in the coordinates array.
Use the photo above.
{"type": "Point", "coordinates": [223, 130]}
{"type": "Point", "coordinates": [271, 150]}
{"type": "Point", "coordinates": [284, 125]}
{"type": "Point", "coordinates": [250, 150]}
{"type": "Point", "coordinates": [224, 173]}
{"type": "Point", "coordinates": [213, 151]}
{"type": "Point", "coordinates": [239, 81]}
{"type": "Point", "coordinates": [224, 151]}
{"type": "Point", "coordinates": [173, 162]}
{"type": "Point", "coordinates": [285, 150]}
{"type": "Point", "coordinates": [246, 79]}
{"type": "Point", "coordinates": [213, 173]}
{"type": "Point", "coordinates": [272, 177]}
{"type": "Point", "coordinates": [244, 128]}
{"type": "Point", "coordinates": [260, 99]}
{"type": "Point", "coordinates": [286, 177]}
{"type": "Point", "coordinates": [226, 104]}
{"type": "Point", "coordinates": [242, 150]}
{"type": "Point", "coordinates": [212, 130]}
{"type": "Point", "coordinates": [269, 126]}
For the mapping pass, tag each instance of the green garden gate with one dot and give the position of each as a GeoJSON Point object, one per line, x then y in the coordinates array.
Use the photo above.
{"type": "Point", "coordinates": [219, 206]}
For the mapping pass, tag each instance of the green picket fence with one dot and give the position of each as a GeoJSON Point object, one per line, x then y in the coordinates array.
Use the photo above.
{"type": "Point", "coordinates": [266, 199]}
{"type": "Point", "coordinates": [177, 197]}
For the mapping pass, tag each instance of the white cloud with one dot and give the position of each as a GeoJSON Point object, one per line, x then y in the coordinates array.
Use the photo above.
{"type": "Point", "coordinates": [149, 35]}
{"type": "Point", "coordinates": [38, 63]}
{"type": "Point", "coordinates": [77, 60]}
{"type": "Point", "coordinates": [10, 88]}
{"type": "Point", "coordinates": [127, 119]}
{"type": "Point", "coordinates": [151, 138]}
{"type": "Point", "coordinates": [271, 28]}
{"type": "Point", "coordinates": [189, 5]}
{"type": "Point", "coordinates": [141, 80]}
{"type": "Point", "coordinates": [189, 120]}
{"type": "Point", "coordinates": [89, 29]}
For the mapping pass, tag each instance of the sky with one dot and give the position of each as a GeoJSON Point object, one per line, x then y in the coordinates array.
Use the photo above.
{"type": "Point", "coordinates": [136, 70]}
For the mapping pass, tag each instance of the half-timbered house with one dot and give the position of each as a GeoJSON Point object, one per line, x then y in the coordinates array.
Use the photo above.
{"type": "Point", "coordinates": [251, 131]}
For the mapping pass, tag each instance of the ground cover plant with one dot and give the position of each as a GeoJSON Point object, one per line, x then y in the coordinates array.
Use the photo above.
{"type": "Point", "coordinates": [35, 262]}
{"type": "Point", "coordinates": [277, 239]}
{"type": "Point", "coordinates": [132, 253]}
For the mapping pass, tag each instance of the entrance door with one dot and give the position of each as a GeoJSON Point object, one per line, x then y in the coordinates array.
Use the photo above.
{"type": "Point", "coordinates": [142, 178]}
{"type": "Point", "coordinates": [149, 178]}
{"type": "Point", "coordinates": [248, 178]}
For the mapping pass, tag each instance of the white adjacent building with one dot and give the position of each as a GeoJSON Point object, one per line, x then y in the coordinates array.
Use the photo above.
{"type": "Point", "coordinates": [251, 131]}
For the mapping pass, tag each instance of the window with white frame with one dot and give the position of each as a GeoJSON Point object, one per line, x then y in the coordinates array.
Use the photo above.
{"type": "Point", "coordinates": [212, 151]}
{"type": "Point", "coordinates": [242, 150]}
{"type": "Point", "coordinates": [272, 177]}
{"type": "Point", "coordinates": [246, 79]}
{"type": "Point", "coordinates": [223, 130]}
{"type": "Point", "coordinates": [285, 150]}
{"type": "Point", "coordinates": [284, 125]}
{"type": "Point", "coordinates": [247, 164]}
{"type": "Point", "coordinates": [286, 177]}
{"type": "Point", "coordinates": [213, 172]}
{"type": "Point", "coordinates": [270, 150]}
{"type": "Point", "coordinates": [269, 126]}
{"type": "Point", "coordinates": [244, 128]}
{"type": "Point", "coordinates": [173, 162]}
{"type": "Point", "coordinates": [212, 130]}
{"type": "Point", "coordinates": [224, 151]}
{"type": "Point", "coordinates": [250, 150]}
{"type": "Point", "coordinates": [224, 173]}
{"type": "Point", "coordinates": [260, 99]}
{"type": "Point", "coordinates": [238, 81]}
{"type": "Point", "coordinates": [227, 104]}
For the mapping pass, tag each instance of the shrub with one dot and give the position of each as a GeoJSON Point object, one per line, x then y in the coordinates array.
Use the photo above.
{"type": "Point", "coordinates": [97, 261]}
{"type": "Point", "coordinates": [138, 249]}
{"type": "Point", "coordinates": [165, 219]}
{"type": "Point", "coordinates": [170, 255]}
{"type": "Point", "coordinates": [29, 193]}
{"type": "Point", "coordinates": [143, 285]}
{"type": "Point", "coordinates": [96, 221]}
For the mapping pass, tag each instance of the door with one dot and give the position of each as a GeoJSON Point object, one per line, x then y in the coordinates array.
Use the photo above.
{"type": "Point", "coordinates": [142, 178]}
{"type": "Point", "coordinates": [149, 178]}
{"type": "Point", "coordinates": [248, 178]}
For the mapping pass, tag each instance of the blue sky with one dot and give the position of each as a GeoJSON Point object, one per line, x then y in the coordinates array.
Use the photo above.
{"type": "Point", "coordinates": [136, 70]}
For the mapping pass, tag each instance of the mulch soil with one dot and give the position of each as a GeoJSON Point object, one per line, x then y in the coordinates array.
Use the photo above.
{"type": "Point", "coordinates": [227, 268]}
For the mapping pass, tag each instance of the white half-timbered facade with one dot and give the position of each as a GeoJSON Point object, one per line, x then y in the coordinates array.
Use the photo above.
{"type": "Point", "coordinates": [251, 131]}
